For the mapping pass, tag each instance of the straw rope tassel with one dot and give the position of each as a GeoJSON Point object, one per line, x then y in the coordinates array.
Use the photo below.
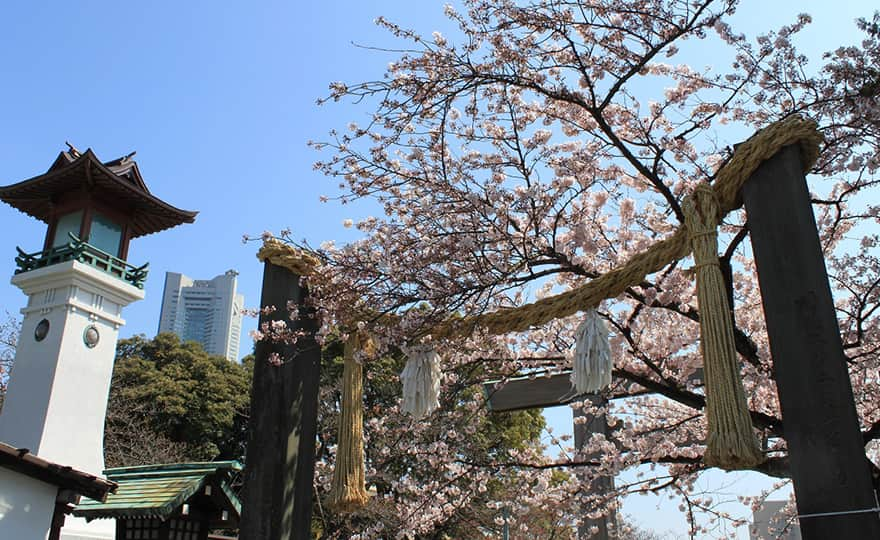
{"type": "Point", "coordinates": [348, 491]}
{"type": "Point", "coordinates": [591, 366]}
{"type": "Point", "coordinates": [731, 441]}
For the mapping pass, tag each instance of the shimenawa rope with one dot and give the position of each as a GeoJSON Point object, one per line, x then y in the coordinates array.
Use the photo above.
{"type": "Point", "coordinates": [747, 158]}
{"type": "Point", "coordinates": [280, 253]}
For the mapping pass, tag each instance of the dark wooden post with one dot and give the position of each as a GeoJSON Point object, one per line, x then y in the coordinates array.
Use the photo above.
{"type": "Point", "coordinates": [826, 448]}
{"type": "Point", "coordinates": [606, 525]}
{"type": "Point", "coordinates": [280, 464]}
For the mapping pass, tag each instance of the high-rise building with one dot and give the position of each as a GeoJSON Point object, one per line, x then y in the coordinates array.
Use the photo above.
{"type": "Point", "coordinates": [204, 310]}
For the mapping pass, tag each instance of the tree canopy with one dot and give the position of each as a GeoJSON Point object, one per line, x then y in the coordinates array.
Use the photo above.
{"type": "Point", "coordinates": [172, 401]}
{"type": "Point", "coordinates": [542, 146]}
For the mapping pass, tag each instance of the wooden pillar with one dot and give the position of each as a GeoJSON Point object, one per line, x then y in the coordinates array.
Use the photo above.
{"type": "Point", "coordinates": [280, 463]}
{"type": "Point", "coordinates": [826, 449]}
{"type": "Point", "coordinates": [598, 423]}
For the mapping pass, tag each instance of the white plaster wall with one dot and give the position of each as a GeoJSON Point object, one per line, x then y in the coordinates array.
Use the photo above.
{"type": "Point", "coordinates": [73, 432]}
{"type": "Point", "coordinates": [57, 397]}
{"type": "Point", "coordinates": [31, 382]}
{"type": "Point", "coordinates": [26, 507]}
{"type": "Point", "coordinates": [78, 529]}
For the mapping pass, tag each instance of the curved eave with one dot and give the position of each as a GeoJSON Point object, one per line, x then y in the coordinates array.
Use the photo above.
{"type": "Point", "coordinates": [149, 214]}
{"type": "Point", "coordinates": [21, 461]}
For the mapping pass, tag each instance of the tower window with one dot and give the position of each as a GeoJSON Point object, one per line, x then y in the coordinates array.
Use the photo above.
{"type": "Point", "coordinates": [69, 223]}
{"type": "Point", "coordinates": [42, 330]}
{"type": "Point", "coordinates": [105, 234]}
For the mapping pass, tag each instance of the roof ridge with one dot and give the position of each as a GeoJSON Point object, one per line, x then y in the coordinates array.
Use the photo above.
{"type": "Point", "coordinates": [175, 467]}
{"type": "Point", "coordinates": [172, 469]}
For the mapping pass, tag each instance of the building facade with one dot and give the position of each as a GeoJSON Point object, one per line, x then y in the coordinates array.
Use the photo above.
{"type": "Point", "coordinates": [207, 311]}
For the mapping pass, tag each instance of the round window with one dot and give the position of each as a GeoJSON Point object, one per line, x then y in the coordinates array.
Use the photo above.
{"type": "Point", "coordinates": [91, 336]}
{"type": "Point", "coordinates": [42, 330]}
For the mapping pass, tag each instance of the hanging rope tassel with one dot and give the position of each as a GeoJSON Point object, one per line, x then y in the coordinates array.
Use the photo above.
{"type": "Point", "coordinates": [731, 441]}
{"type": "Point", "coordinates": [421, 381]}
{"type": "Point", "coordinates": [348, 491]}
{"type": "Point", "coordinates": [592, 363]}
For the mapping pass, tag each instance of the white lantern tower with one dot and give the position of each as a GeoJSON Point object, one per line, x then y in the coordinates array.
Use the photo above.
{"type": "Point", "coordinates": [76, 287]}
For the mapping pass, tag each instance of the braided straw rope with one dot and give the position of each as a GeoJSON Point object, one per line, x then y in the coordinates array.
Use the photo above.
{"type": "Point", "coordinates": [279, 253]}
{"type": "Point", "coordinates": [347, 490]}
{"type": "Point", "coordinates": [747, 158]}
{"type": "Point", "coordinates": [731, 442]}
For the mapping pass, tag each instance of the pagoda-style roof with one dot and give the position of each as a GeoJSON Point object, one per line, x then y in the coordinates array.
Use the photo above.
{"type": "Point", "coordinates": [159, 491]}
{"type": "Point", "coordinates": [22, 461]}
{"type": "Point", "coordinates": [118, 181]}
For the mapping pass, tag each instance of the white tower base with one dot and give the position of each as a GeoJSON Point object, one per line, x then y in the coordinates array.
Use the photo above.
{"type": "Point", "coordinates": [57, 393]}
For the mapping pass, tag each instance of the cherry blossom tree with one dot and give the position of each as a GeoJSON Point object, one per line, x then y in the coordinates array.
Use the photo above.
{"type": "Point", "coordinates": [540, 147]}
{"type": "Point", "coordinates": [453, 456]}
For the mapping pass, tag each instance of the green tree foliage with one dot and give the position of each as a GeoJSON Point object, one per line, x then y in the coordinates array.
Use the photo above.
{"type": "Point", "coordinates": [176, 399]}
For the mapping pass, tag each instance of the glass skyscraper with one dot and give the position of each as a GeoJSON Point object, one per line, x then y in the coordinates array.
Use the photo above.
{"type": "Point", "coordinates": [206, 311]}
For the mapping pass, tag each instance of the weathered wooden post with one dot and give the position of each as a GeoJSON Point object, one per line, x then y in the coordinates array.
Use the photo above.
{"type": "Point", "coordinates": [831, 478]}
{"type": "Point", "coordinates": [598, 423]}
{"type": "Point", "coordinates": [280, 466]}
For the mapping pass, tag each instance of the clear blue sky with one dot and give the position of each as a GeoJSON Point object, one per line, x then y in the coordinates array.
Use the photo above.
{"type": "Point", "coordinates": [218, 99]}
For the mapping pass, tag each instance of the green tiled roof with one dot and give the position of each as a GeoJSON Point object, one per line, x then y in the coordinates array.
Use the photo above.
{"type": "Point", "coordinates": [158, 490]}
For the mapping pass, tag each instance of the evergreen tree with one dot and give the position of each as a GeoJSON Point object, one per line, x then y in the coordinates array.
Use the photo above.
{"type": "Point", "coordinates": [172, 400]}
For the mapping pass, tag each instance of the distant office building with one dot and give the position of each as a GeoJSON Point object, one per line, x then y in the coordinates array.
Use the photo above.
{"type": "Point", "coordinates": [207, 311]}
{"type": "Point", "coordinates": [771, 523]}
